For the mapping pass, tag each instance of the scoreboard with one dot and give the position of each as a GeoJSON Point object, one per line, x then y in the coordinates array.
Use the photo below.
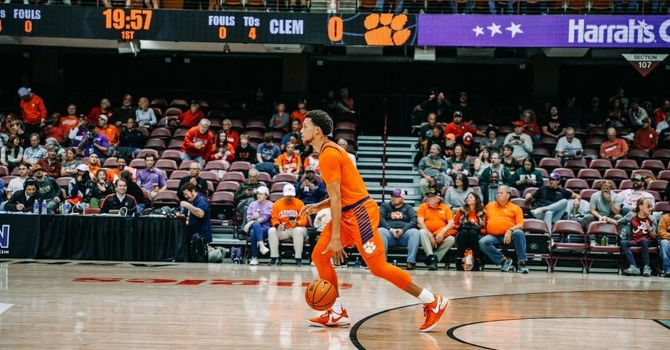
{"type": "Point", "coordinates": [207, 26]}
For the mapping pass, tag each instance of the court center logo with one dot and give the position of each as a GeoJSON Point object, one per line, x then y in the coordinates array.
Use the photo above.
{"type": "Point", "coordinates": [386, 29]}
{"type": "Point", "coordinates": [4, 237]}
{"type": "Point", "coordinates": [369, 247]}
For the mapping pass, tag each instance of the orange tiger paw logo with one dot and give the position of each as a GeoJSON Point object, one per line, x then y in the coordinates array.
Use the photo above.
{"type": "Point", "coordinates": [386, 29]}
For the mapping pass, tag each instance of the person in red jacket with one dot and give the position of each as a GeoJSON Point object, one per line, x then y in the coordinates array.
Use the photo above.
{"type": "Point", "coordinates": [105, 108]}
{"type": "Point", "coordinates": [646, 138]}
{"type": "Point", "coordinates": [191, 117]}
{"type": "Point", "coordinates": [34, 110]}
{"type": "Point", "coordinates": [233, 136]}
{"type": "Point", "coordinates": [198, 143]}
{"type": "Point", "coordinates": [458, 127]}
{"type": "Point", "coordinates": [224, 150]}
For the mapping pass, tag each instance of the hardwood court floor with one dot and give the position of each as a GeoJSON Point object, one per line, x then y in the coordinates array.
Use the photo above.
{"type": "Point", "coordinates": [84, 305]}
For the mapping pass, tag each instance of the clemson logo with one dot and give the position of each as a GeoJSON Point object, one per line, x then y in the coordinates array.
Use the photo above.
{"type": "Point", "coordinates": [369, 247]}
{"type": "Point", "coordinates": [386, 29]}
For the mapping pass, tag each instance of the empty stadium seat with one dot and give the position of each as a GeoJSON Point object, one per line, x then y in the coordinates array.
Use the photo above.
{"type": "Point", "coordinates": [549, 163]}
{"type": "Point", "coordinates": [162, 133]}
{"type": "Point", "coordinates": [576, 164]}
{"type": "Point", "coordinates": [597, 184]}
{"type": "Point", "coordinates": [176, 144]}
{"type": "Point", "coordinates": [662, 154]}
{"type": "Point", "coordinates": [3, 170]}
{"type": "Point", "coordinates": [275, 196]}
{"type": "Point", "coordinates": [179, 174]}
{"type": "Point", "coordinates": [233, 176]}
{"type": "Point", "coordinates": [540, 153]}
{"type": "Point", "coordinates": [662, 206]}
{"type": "Point", "coordinates": [63, 181]}
{"type": "Point", "coordinates": [138, 163]}
{"type": "Point", "coordinates": [658, 185]}
{"type": "Point", "coordinates": [586, 193]}
{"type": "Point", "coordinates": [589, 174]}
{"type": "Point", "coordinates": [638, 154]}
{"type": "Point", "coordinates": [641, 172]}
{"type": "Point", "coordinates": [664, 175]}
{"type": "Point", "coordinates": [626, 184]}
{"type": "Point", "coordinates": [277, 187]}
{"type": "Point", "coordinates": [265, 178]}
{"type": "Point", "coordinates": [565, 173]}
{"type": "Point", "coordinates": [210, 176]}
{"type": "Point", "coordinates": [565, 249]}
{"type": "Point", "coordinates": [110, 163]}
{"type": "Point", "coordinates": [179, 134]}
{"type": "Point", "coordinates": [173, 185]}
{"type": "Point", "coordinates": [654, 165]}
{"type": "Point", "coordinates": [228, 186]}
{"type": "Point", "coordinates": [611, 252]}
{"type": "Point", "coordinates": [166, 197]}
{"type": "Point", "coordinates": [576, 185]}
{"type": "Point", "coordinates": [284, 178]}
{"type": "Point", "coordinates": [157, 144]}
{"type": "Point", "coordinates": [186, 164]}
{"type": "Point", "coordinates": [256, 125]}
{"type": "Point", "coordinates": [601, 164]}
{"type": "Point", "coordinates": [143, 153]}
{"type": "Point", "coordinates": [171, 154]}
{"type": "Point", "coordinates": [240, 166]}
{"type": "Point", "coordinates": [167, 165]}
{"type": "Point", "coordinates": [615, 175]}
{"type": "Point", "coordinates": [627, 164]}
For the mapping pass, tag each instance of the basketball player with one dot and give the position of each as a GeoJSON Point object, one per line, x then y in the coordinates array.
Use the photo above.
{"type": "Point", "coordinates": [355, 217]}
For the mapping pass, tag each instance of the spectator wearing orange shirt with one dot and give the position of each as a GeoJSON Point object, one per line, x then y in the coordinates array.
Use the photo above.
{"type": "Point", "coordinates": [504, 221]}
{"type": "Point", "coordinates": [34, 110]}
{"type": "Point", "coordinates": [435, 220]}
{"type": "Point", "coordinates": [312, 161]}
{"type": "Point", "coordinates": [646, 138]}
{"type": "Point", "coordinates": [111, 131]}
{"type": "Point", "coordinates": [614, 148]}
{"type": "Point", "coordinates": [70, 121]}
{"type": "Point", "coordinates": [192, 117]}
{"type": "Point", "coordinates": [105, 108]}
{"type": "Point", "coordinates": [198, 143]}
{"type": "Point", "coordinates": [286, 224]}
{"type": "Point", "coordinates": [300, 113]}
{"type": "Point", "coordinates": [289, 162]}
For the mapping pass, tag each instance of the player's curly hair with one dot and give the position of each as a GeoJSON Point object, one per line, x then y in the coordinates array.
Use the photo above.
{"type": "Point", "coordinates": [322, 120]}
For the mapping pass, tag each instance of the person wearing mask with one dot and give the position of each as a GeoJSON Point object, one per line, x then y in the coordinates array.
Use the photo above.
{"type": "Point", "coordinates": [504, 223]}
{"type": "Point", "coordinates": [398, 226]}
{"type": "Point", "coordinates": [258, 222]}
{"type": "Point", "coordinates": [286, 224]}
{"type": "Point", "coordinates": [23, 200]}
{"type": "Point", "coordinates": [119, 199]}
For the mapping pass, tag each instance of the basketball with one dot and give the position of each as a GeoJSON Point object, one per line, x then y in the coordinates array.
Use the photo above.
{"type": "Point", "coordinates": [320, 295]}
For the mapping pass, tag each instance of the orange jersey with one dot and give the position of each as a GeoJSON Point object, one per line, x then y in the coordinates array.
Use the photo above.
{"type": "Point", "coordinates": [336, 165]}
{"type": "Point", "coordinates": [435, 218]}
{"type": "Point", "coordinates": [500, 218]}
{"type": "Point", "coordinates": [112, 133]}
{"type": "Point", "coordinates": [289, 166]}
{"type": "Point", "coordinates": [282, 211]}
{"type": "Point", "coordinates": [68, 123]}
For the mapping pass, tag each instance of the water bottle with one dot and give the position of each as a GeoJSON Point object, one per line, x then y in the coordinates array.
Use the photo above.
{"type": "Point", "coordinates": [66, 208]}
{"type": "Point", "coordinates": [167, 122]}
{"type": "Point", "coordinates": [358, 262]}
{"type": "Point", "coordinates": [395, 262]}
{"type": "Point", "coordinates": [36, 206]}
{"type": "Point", "coordinates": [603, 241]}
{"type": "Point", "coordinates": [44, 207]}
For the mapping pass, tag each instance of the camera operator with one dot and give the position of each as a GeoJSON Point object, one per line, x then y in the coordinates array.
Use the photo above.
{"type": "Point", "coordinates": [119, 199]}
{"type": "Point", "coordinates": [311, 190]}
{"type": "Point", "coordinates": [198, 220]}
{"type": "Point", "coordinates": [95, 142]}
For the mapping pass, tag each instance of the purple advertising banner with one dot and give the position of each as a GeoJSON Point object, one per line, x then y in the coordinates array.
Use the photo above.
{"type": "Point", "coordinates": [544, 31]}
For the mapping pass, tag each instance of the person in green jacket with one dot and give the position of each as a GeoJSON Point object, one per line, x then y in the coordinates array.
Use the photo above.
{"type": "Point", "coordinates": [527, 176]}
{"type": "Point", "coordinates": [503, 176]}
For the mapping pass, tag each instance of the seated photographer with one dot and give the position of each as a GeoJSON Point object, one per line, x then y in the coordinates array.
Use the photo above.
{"type": "Point", "coordinates": [119, 199]}
{"type": "Point", "coordinates": [286, 224]}
{"type": "Point", "coordinates": [568, 146]}
{"type": "Point", "coordinates": [311, 190]}
{"type": "Point", "coordinates": [23, 200]}
{"type": "Point", "coordinates": [94, 143]}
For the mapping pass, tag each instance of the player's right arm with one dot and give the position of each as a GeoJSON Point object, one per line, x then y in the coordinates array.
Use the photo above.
{"type": "Point", "coordinates": [335, 245]}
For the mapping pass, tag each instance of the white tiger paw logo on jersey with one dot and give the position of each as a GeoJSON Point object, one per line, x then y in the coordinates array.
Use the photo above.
{"type": "Point", "coordinates": [369, 247]}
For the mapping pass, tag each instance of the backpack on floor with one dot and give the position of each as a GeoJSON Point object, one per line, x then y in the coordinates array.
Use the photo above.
{"type": "Point", "coordinates": [197, 249]}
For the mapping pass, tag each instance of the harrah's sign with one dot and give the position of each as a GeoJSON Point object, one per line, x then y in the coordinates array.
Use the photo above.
{"type": "Point", "coordinates": [544, 31]}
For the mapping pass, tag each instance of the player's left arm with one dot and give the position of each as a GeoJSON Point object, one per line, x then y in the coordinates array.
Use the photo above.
{"type": "Point", "coordinates": [335, 245]}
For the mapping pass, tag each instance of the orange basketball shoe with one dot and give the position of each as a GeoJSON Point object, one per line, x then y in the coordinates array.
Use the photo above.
{"type": "Point", "coordinates": [433, 312]}
{"type": "Point", "coordinates": [331, 319]}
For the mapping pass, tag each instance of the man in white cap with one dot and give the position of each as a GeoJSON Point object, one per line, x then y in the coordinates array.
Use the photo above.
{"type": "Point", "coordinates": [33, 109]}
{"type": "Point", "coordinates": [398, 226]}
{"type": "Point", "coordinates": [111, 131]}
{"type": "Point", "coordinates": [286, 224]}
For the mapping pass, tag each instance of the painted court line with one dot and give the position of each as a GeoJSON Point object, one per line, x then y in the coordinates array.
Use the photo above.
{"type": "Point", "coordinates": [5, 307]}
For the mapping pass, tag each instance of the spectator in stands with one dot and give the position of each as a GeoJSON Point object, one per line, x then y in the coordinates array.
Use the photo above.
{"type": "Point", "coordinates": [70, 163]}
{"type": "Point", "coordinates": [614, 148]}
{"type": "Point", "coordinates": [259, 106]}
{"type": "Point", "coordinates": [469, 223]}
{"type": "Point", "coordinates": [2, 193]}
{"type": "Point", "coordinates": [438, 138]}
{"type": "Point", "coordinates": [245, 194]}
{"type": "Point", "coordinates": [482, 161]}
{"type": "Point", "coordinates": [94, 143]}
{"type": "Point", "coordinates": [287, 224]}
{"type": "Point", "coordinates": [192, 117]}
{"type": "Point", "coordinates": [631, 196]}
{"type": "Point", "coordinates": [508, 159]}
{"type": "Point", "coordinates": [311, 189]}
{"type": "Point", "coordinates": [345, 146]}
{"type": "Point", "coordinates": [594, 116]}
{"type": "Point", "coordinates": [492, 141]}
{"type": "Point", "coordinates": [463, 106]}
{"type": "Point", "coordinates": [131, 141]}
{"type": "Point", "coordinates": [119, 199]}
{"type": "Point", "coordinates": [289, 162]}
{"type": "Point", "coordinates": [134, 190]}
{"type": "Point", "coordinates": [51, 164]}
{"type": "Point", "coordinates": [79, 189]}
{"type": "Point", "coordinates": [521, 142]}
{"type": "Point", "coordinates": [23, 200]}
{"type": "Point", "coordinates": [311, 161]}
{"type": "Point", "coordinates": [636, 114]}
{"type": "Point", "coordinates": [151, 178]}
{"type": "Point", "coordinates": [527, 176]}
{"type": "Point", "coordinates": [661, 114]}
{"type": "Point", "coordinates": [504, 223]}
{"type": "Point", "coordinates": [35, 152]}
{"type": "Point", "coordinates": [70, 121]}
{"type": "Point", "coordinates": [664, 243]}
{"type": "Point", "coordinates": [47, 187]}
{"type": "Point", "coordinates": [398, 226]}
{"type": "Point", "coordinates": [300, 113]}
{"type": "Point", "coordinates": [553, 128]}
{"type": "Point", "coordinates": [224, 150]}
{"type": "Point", "coordinates": [100, 188]}
{"type": "Point", "coordinates": [245, 152]}
{"type": "Point", "coordinates": [79, 132]}
{"type": "Point", "coordinates": [53, 130]}
{"type": "Point", "coordinates": [233, 136]}
{"type": "Point", "coordinates": [111, 131]}
{"type": "Point", "coordinates": [125, 111]}
{"type": "Point", "coordinates": [33, 109]}
{"type": "Point", "coordinates": [258, 222]}
{"type": "Point", "coordinates": [492, 177]}
{"type": "Point", "coordinates": [642, 235]}
{"type": "Point", "coordinates": [197, 208]}
{"type": "Point", "coordinates": [105, 109]}
{"type": "Point", "coordinates": [346, 106]}
{"type": "Point", "coordinates": [145, 115]}
{"type": "Point", "coordinates": [433, 170]}
{"type": "Point", "coordinates": [436, 104]}
{"type": "Point", "coordinates": [458, 163]}
{"type": "Point", "coordinates": [616, 117]}
{"type": "Point", "coordinates": [280, 120]}
{"type": "Point", "coordinates": [530, 125]}
{"type": "Point", "coordinates": [266, 155]}
{"type": "Point", "coordinates": [455, 195]}
{"type": "Point", "coordinates": [16, 183]}
{"type": "Point", "coordinates": [115, 173]}
{"type": "Point", "coordinates": [295, 132]}
{"type": "Point", "coordinates": [199, 143]}
{"type": "Point", "coordinates": [426, 132]}
{"type": "Point", "coordinates": [435, 220]}
{"type": "Point", "coordinates": [94, 165]}
{"type": "Point", "coordinates": [568, 146]}
{"type": "Point", "coordinates": [646, 138]}
{"type": "Point", "coordinates": [11, 154]}
{"type": "Point", "coordinates": [550, 202]}
{"type": "Point", "coordinates": [194, 178]}
{"type": "Point", "coordinates": [459, 128]}
{"type": "Point", "coordinates": [15, 128]}
{"type": "Point", "coordinates": [572, 114]}
{"type": "Point", "coordinates": [605, 206]}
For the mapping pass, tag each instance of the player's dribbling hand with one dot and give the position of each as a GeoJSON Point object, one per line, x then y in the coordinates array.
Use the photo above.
{"type": "Point", "coordinates": [308, 209]}
{"type": "Point", "coordinates": [339, 254]}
